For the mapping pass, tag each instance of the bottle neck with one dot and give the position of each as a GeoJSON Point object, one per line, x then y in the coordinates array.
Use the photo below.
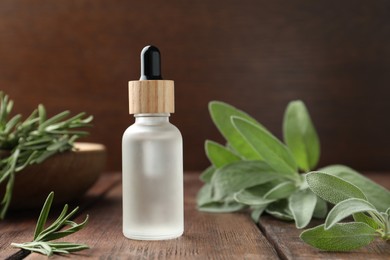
{"type": "Point", "coordinates": [152, 119]}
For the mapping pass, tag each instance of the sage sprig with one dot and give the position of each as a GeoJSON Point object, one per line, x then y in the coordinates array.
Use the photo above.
{"type": "Point", "coordinates": [255, 170]}
{"type": "Point", "coordinates": [43, 236]}
{"type": "Point", "coordinates": [32, 141]}
{"type": "Point", "coordinates": [350, 201]}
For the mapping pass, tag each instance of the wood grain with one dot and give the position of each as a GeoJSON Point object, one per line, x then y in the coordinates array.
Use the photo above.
{"type": "Point", "coordinates": [19, 225]}
{"type": "Point", "coordinates": [206, 236]}
{"type": "Point", "coordinates": [255, 54]}
{"type": "Point", "coordinates": [285, 238]}
{"type": "Point", "coordinates": [151, 96]}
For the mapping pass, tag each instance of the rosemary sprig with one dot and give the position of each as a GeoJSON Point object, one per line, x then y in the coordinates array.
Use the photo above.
{"type": "Point", "coordinates": [33, 140]}
{"type": "Point", "coordinates": [42, 236]}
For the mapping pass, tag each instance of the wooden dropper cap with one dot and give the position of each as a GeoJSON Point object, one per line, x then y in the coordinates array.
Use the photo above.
{"type": "Point", "coordinates": [151, 94]}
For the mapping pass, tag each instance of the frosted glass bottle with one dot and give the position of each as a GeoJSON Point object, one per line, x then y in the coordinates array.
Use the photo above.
{"type": "Point", "coordinates": [152, 168]}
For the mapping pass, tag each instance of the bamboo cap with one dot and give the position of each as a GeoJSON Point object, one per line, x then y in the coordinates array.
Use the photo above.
{"type": "Point", "coordinates": [151, 94]}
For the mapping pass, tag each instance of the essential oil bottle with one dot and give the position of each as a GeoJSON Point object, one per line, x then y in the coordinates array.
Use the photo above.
{"type": "Point", "coordinates": [152, 157]}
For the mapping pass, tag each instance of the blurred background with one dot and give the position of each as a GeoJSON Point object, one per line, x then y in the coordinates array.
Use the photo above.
{"type": "Point", "coordinates": [256, 55]}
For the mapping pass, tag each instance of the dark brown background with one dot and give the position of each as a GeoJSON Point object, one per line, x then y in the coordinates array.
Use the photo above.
{"type": "Point", "coordinates": [256, 55]}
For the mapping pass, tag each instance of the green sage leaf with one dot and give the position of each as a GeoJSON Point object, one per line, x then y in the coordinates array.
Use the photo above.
{"type": "Point", "coordinates": [362, 217]}
{"type": "Point", "coordinates": [346, 208]}
{"type": "Point", "coordinates": [255, 195]}
{"type": "Point", "coordinates": [220, 114]}
{"type": "Point", "coordinates": [252, 199]}
{"type": "Point", "coordinates": [302, 204]}
{"type": "Point", "coordinates": [266, 193]}
{"type": "Point", "coordinates": [332, 188]}
{"type": "Point", "coordinates": [257, 212]}
{"type": "Point", "coordinates": [301, 136]}
{"type": "Point", "coordinates": [321, 209]}
{"type": "Point", "coordinates": [341, 237]}
{"type": "Point", "coordinates": [241, 175]}
{"type": "Point", "coordinates": [207, 174]}
{"type": "Point", "coordinates": [221, 207]}
{"type": "Point", "coordinates": [376, 194]}
{"type": "Point", "coordinates": [219, 155]}
{"type": "Point", "coordinates": [280, 210]}
{"type": "Point", "coordinates": [280, 191]}
{"type": "Point", "coordinates": [204, 195]}
{"type": "Point", "coordinates": [268, 147]}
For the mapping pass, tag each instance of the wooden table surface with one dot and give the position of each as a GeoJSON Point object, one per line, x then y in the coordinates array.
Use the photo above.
{"type": "Point", "coordinates": [206, 236]}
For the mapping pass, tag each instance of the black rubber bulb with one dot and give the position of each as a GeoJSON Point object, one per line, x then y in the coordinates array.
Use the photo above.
{"type": "Point", "coordinates": [150, 63]}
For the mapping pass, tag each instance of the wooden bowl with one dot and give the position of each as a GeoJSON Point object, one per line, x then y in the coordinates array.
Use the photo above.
{"type": "Point", "coordinates": [69, 175]}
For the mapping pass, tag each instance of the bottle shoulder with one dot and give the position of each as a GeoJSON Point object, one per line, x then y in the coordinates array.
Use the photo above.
{"type": "Point", "coordinates": [166, 130]}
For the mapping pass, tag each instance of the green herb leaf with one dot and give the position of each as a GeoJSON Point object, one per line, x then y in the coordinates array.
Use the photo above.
{"type": "Point", "coordinates": [49, 248]}
{"type": "Point", "coordinates": [11, 124]}
{"type": "Point", "coordinates": [362, 217]}
{"type": "Point", "coordinates": [248, 198]}
{"type": "Point", "coordinates": [268, 147]}
{"type": "Point", "coordinates": [74, 227]}
{"type": "Point", "coordinates": [302, 204]}
{"type": "Point", "coordinates": [44, 214]}
{"type": "Point", "coordinates": [255, 169]}
{"type": "Point", "coordinates": [280, 191]}
{"type": "Point", "coordinates": [321, 208]}
{"type": "Point", "coordinates": [204, 195]}
{"type": "Point", "coordinates": [257, 212]}
{"type": "Point", "coordinates": [301, 136]}
{"type": "Point", "coordinates": [262, 195]}
{"type": "Point", "coordinates": [53, 232]}
{"type": "Point", "coordinates": [255, 195]}
{"type": "Point", "coordinates": [241, 175]}
{"type": "Point", "coordinates": [341, 237]}
{"type": "Point", "coordinates": [42, 113]}
{"type": "Point", "coordinates": [346, 208]}
{"type": "Point", "coordinates": [207, 174]}
{"type": "Point", "coordinates": [218, 155]}
{"type": "Point", "coordinates": [331, 188]}
{"type": "Point", "coordinates": [376, 194]}
{"type": "Point", "coordinates": [221, 207]}
{"type": "Point", "coordinates": [280, 210]}
{"type": "Point", "coordinates": [29, 141]}
{"type": "Point", "coordinates": [221, 114]}
{"type": "Point", "coordinates": [69, 247]}
{"type": "Point", "coordinates": [53, 120]}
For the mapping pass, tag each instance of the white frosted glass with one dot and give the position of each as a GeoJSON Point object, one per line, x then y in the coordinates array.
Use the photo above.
{"type": "Point", "coordinates": [152, 176]}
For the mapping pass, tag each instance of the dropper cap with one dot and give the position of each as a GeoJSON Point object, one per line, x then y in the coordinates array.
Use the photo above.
{"type": "Point", "coordinates": [151, 94]}
{"type": "Point", "coordinates": [150, 63]}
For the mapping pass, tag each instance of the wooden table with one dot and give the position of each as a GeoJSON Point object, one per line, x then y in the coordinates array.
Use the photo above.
{"type": "Point", "coordinates": [206, 236]}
